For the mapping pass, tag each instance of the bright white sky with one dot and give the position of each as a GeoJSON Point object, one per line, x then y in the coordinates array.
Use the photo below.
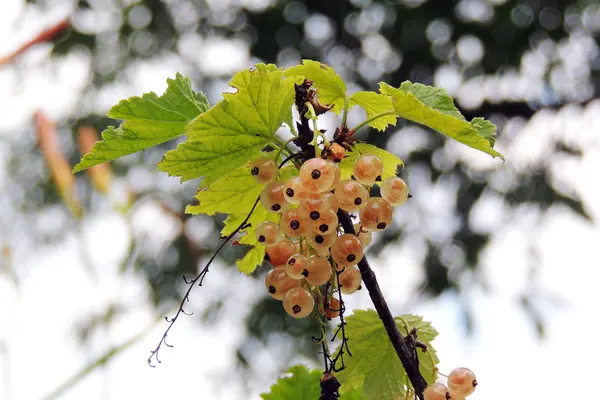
{"type": "Point", "coordinates": [37, 326]}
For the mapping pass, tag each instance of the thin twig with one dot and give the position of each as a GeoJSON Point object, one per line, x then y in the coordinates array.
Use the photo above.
{"type": "Point", "coordinates": [341, 328]}
{"type": "Point", "coordinates": [198, 279]}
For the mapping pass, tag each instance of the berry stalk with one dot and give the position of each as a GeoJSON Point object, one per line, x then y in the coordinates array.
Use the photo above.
{"type": "Point", "coordinates": [402, 349]}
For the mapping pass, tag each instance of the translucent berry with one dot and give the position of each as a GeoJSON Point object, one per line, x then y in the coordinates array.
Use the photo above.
{"type": "Point", "coordinates": [368, 169]}
{"type": "Point", "coordinates": [272, 198]}
{"type": "Point", "coordinates": [333, 308]}
{"type": "Point", "coordinates": [394, 190]}
{"type": "Point", "coordinates": [293, 223]}
{"type": "Point", "coordinates": [267, 233]}
{"type": "Point", "coordinates": [347, 251]}
{"type": "Point", "coordinates": [292, 190]}
{"type": "Point", "coordinates": [337, 176]}
{"type": "Point", "coordinates": [295, 265]}
{"type": "Point", "coordinates": [298, 302]}
{"type": "Point", "coordinates": [436, 391]}
{"type": "Point", "coordinates": [377, 214]}
{"type": "Point", "coordinates": [351, 195]}
{"type": "Point", "coordinates": [350, 280]}
{"type": "Point", "coordinates": [363, 235]}
{"type": "Point", "coordinates": [326, 224]}
{"type": "Point", "coordinates": [317, 271]}
{"type": "Point", "coordinates": [264, 170]}
{"type": "Point", "coordinates": [321, 242]}
{"type": "Point", "coordinates": [461, 383]}
{"type": "Point", "coordinates": [278, 282]}
{"type": "Point", "coordinates": [317, 175]}
{"type": "Point", "coordinates": [332, 200]}
{"type": "Point", "coordinates": [280, 252]}
{"type": "Point", "coordinates": [313, 204]}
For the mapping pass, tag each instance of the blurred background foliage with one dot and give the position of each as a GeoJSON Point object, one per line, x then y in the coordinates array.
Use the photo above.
{"type": "Point", "coordinates": [504, 60]}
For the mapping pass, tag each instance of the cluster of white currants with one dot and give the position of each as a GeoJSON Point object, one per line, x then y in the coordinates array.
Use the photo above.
{"type": "Point", "coordinates": [309, 243]}
{"type": "Point", "coordinates": [461, 383]}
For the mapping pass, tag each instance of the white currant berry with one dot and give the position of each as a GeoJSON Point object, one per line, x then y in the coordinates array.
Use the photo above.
{"type": "Point", "coordinates": [461, 382]}
{"type": "Point", "coordinates": [367, 169]}
{"type": "Point", "coordinates": [278, 283]}
{"type": "Point", "coordinates": [376, 215]}
{"type": "Point", "coordinates": [436, 391]}
{"type": "Point", "coordinates": [272, 198]}
{"type": "Point", "coordinates": [351, 195]}
{"type": "Point", "coordinates": [317, 175]}
{"type": "Point", "coordinates": [317, 270]}
{"type": "Point", "coordinates": [347, 251]}
{"type": "Point", "coordinates": [292, 190]}
{"type": "Point", "coordinates": [264, 170]}
{"type": "Point", "coordinates": [295, 266]}
{"type": "Point", "coordinates": [298, 302]}
{"type": "Point", "coordinates": [350, 280]}
{"type": "Point", "coordinates": [394, 190]}
{"type": "Point", "coordinates": [267, 233]}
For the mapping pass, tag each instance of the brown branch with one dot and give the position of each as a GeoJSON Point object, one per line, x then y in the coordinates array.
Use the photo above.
{"type": "Point", "coordinates": [402, 349]}
{"type": "Point", "coordinates": [198, 279]}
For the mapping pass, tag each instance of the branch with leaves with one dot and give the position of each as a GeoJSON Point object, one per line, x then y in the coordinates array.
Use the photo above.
{"type": "Point", "coordinates": [308, 195]}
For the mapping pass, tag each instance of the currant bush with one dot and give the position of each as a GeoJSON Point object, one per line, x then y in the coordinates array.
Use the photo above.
{"type": "Point", "coordinates": [304, 228]}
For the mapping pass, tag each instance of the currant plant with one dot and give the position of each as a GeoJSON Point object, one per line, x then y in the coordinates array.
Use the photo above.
{"type": "Point", "coordinates": [303, 205]}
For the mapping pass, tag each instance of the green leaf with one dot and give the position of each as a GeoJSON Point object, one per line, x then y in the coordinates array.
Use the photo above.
{"type": "Point", "coordinates": [391, 162]}
{"type": "Point", "coordinates": [287, 171]}
{"type": "Point", "coordinates": [149, 120]}
{"type": "Point", "coordinates": [263, 101]}
{"type": "Point", "coordinates": [233, 194]}
{"type": "Point", "coordinates": [485, 129]}
{"type": "Point", "coordinates": [236, 129]}
{"type": "Point", "coordinates": [425, 333]}
{"type": "Point", "coordinates": [301, 385]}
{"type": "Point", "coordinates": [355, 394]}
{"type": "Point", "coordinates": [373, 104]}
{"type": "Point", "coordinates": [331, 89]}
{"type": "Point", "coordinates": [434, 108]}
{"type": "Point", "coordinates": [374, 366]}
{"type": "Point", "coordinates": [253, 258]}
{"type": "Point", "coordinates": [212, 160]}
